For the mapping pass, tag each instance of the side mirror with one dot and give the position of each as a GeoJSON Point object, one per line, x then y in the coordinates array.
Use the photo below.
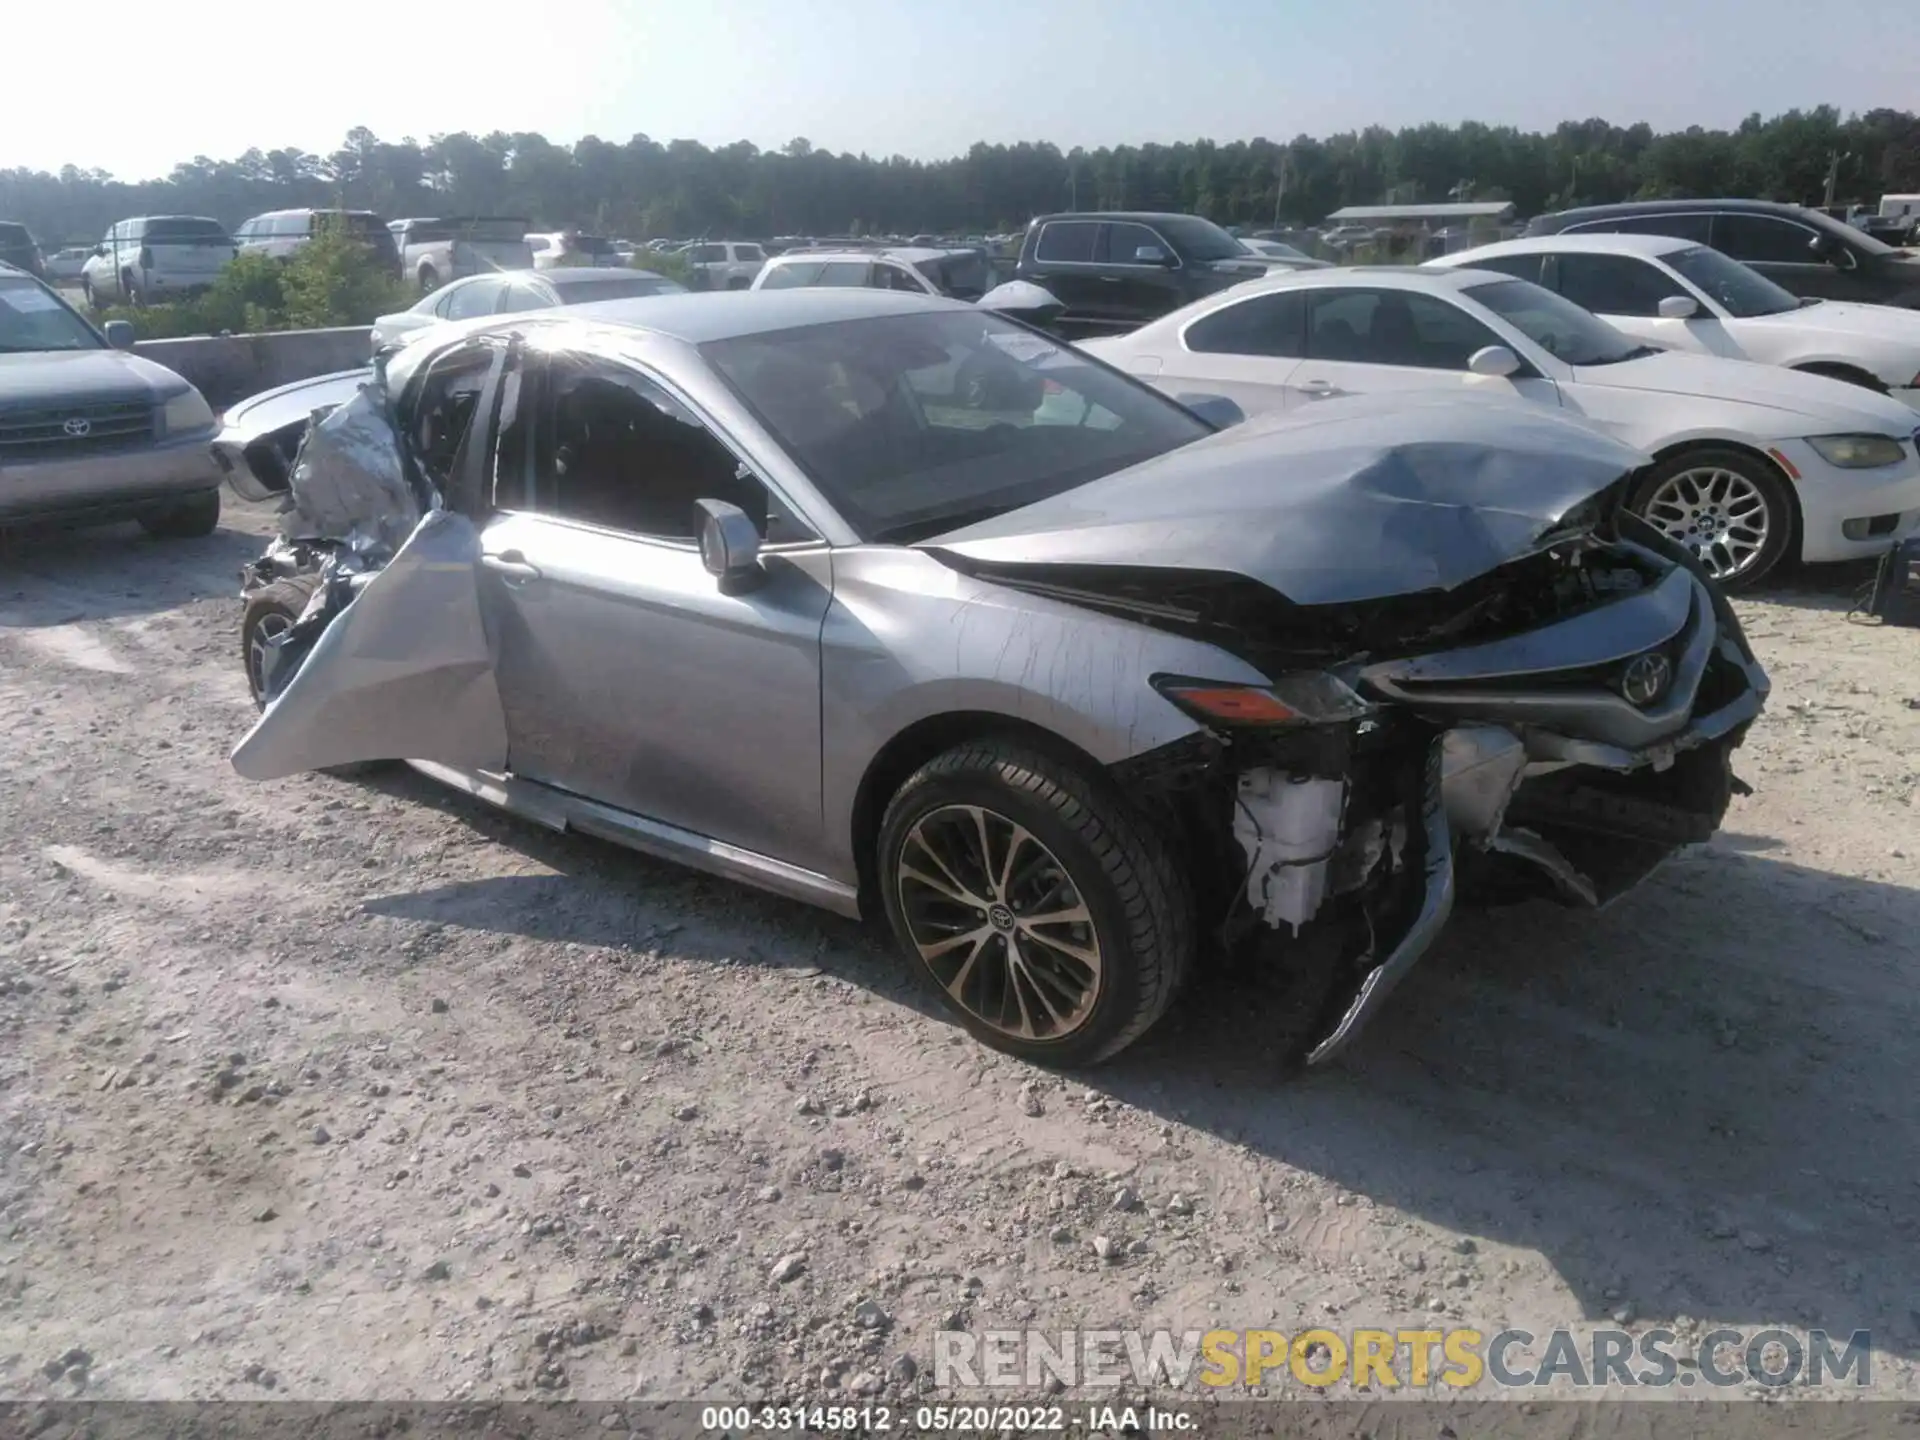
{"type": "Point", "coordinates": [99, 249]}
{"type": "Point", "coordinates": [729, 545]}
{"type": "Point", "coordinates": [119, 334]}
{"type": "Point", "coordinates": [1151, 255]}
{"type": "Point", "coordinates": [1217, 410]}
{"type": "Point", "coordinates": [1495, 361]}
{"type": "Point", "coordinates": [1679, 307]}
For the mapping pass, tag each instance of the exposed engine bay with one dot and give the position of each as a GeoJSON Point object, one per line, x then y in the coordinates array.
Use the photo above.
{"type": "Point", "coordinates": [1556, 729]}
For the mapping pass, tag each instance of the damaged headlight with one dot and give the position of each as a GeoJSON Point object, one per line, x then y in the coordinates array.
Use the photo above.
{"type": "Point", "coordinates": [1858, 452]}
{"type": "Point", "coordinates": [1306, 697]}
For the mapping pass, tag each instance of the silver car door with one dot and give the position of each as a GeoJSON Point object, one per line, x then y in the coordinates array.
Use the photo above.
{"type": "Point", "coordinates": [629, 675]}
{"type": "Point", "coordinates": [405, 671]}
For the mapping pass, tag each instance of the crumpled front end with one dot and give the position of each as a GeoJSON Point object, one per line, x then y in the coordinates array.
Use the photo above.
{"type": "Point", "coordinates": [1555, 730]}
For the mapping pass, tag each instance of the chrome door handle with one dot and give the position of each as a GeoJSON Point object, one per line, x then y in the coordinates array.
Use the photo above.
{"type": "Point", "coordinates": [512, 565]}
{"type": "Point", "coordinates": [1319, 389]}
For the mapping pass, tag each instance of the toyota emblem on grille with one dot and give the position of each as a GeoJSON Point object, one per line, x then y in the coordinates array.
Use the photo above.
{"type": "Point", "coordinates": [1645, 678]}
{"type": "Point", "coordinates": [77, 427]}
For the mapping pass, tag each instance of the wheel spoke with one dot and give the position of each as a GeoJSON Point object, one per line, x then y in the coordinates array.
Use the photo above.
{"type": "Point", "coordinates": [953, 887]}
{"type": "Point", "coordinates": [1025, 957]}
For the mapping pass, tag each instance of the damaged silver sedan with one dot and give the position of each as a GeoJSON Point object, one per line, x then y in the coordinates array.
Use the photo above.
{"type": "Point", "coordinates": [897, 606]}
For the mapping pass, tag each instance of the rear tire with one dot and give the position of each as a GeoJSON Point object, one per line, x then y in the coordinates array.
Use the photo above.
{"type": "Point", "coordinates": [192, 518]}
{"type": "Point", "coordinates": [1027, 837]}
{"type": "Point", "coordinates": [86, 293]}
{"type": "Point", "coordinates": [1728, 507]}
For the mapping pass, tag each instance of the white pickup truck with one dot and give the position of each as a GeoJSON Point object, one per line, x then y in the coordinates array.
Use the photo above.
{"type": "Point", "coordinates": [436, 250]}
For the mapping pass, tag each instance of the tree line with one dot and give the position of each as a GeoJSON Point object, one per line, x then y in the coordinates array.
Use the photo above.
{"type": "Point", "coordinates": [683, 188]}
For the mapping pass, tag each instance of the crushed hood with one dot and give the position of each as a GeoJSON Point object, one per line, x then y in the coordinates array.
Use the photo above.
{"type": "Point", "coordinates": [1350, 500]}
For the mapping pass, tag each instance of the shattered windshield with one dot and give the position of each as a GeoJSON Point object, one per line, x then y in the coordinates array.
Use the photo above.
{"type": "Point", "coordinates": [912, 425]}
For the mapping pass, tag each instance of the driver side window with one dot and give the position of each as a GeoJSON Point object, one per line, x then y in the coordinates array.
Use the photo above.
{"type": "Point", "coordinates": [1393, 327]}
{"type": "Point", "coordinates": [1613, 284]}
{"type": "Point", "coordinates": [606, 446]}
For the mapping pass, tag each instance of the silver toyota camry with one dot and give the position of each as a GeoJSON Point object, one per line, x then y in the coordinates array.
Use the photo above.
{"type": "Point", "coordinates": [901, 607]}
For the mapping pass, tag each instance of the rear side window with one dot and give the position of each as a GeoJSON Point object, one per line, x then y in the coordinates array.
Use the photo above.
{"type": "Point", "coordinates": [1612, 284]}
{"type": "Point", "coordinates": [792, 277]}
{"type": "Point", "coordinates": [1066, 240]}
{"type": "Point", "coordinates": [844, 273]}
{"type": "Point", "coordinates": [748, 252]}
{"type": "Point", "coordinates": [1764, 238]}
{"type": "Point", "coordinates": [477, 297]}
{"type": "Point", "coordinates": [1268, 325]}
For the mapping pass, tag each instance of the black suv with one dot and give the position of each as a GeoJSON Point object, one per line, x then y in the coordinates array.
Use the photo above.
{"type": "Point", "coordinates": [1802, 250]}
{"type": "Point", "coordinates": [17, 248]}
{"type": "Point", "coordinates": [1114, 270]}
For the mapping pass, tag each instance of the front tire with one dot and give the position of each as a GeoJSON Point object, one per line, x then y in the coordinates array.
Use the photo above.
{"type": "Point", "coordinates": [192, 518]}
{"type": "Point", "coordinates": [1048, 916]}
{"type": "Point", "coordinates": [270, 612]}
{"type": "Point", "coordinates": [429, 279]}
{"type": "Point", "coordinates": [1731, 509]}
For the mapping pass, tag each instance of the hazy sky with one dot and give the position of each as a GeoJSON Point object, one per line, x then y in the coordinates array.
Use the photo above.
{"type": "Point", "coordinates": [133, 94]}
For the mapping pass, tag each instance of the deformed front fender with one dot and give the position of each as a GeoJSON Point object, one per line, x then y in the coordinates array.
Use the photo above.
{"type": "Point", "coordinates": [405, 672]}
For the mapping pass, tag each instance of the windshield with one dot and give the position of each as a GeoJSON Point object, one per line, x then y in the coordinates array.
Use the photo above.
{"type": "Point", "coordinates": [966, 276]}
{"type": "Point", "coordinates": [1554, 323]}
{"type": "Point", "coordinates": [1198, 239]}
{"type": "Point", "coordinates": [1742, 292]}
{"type": "Point", "coordinates": [618, 287]}
{"type": "Point", "coordinates": [32, 318]}
{"type": "Point", "coordinates": [912, 425]}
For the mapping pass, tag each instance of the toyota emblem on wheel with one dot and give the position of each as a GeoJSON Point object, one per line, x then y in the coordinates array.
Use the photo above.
{"type": "Point", "coordinates": [77, 427]}
{"type": "Point", "coordinates": [1645, 679]}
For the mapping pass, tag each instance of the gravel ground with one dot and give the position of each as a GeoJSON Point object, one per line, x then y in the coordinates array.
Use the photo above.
{"type": "Point", "coordinates": [339, 1089]}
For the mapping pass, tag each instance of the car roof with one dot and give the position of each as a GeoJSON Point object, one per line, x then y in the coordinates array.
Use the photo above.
{"type": "Point", "coordinates": [1678, 207]}
{"type": "Point", "coordinates": [1145, 217]}
{"type": "Point", "coordinates": [1399, 277]}
{"type": "Point", "coordinates": [909, 254]}
{"type": "Point", "coordinates": [1622, 243]}
{"type": "Point", "coordinates": [702, 316]}
{"type": "Point", "coordinates": [570, 275]}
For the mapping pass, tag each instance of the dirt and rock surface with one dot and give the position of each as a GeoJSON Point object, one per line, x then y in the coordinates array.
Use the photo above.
{"type": "Point", "coordinates": [352, 1088]}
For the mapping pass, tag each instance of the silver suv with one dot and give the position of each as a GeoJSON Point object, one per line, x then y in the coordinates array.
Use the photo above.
{"type": "Point", "coordinates": [156, 258]}
{"type": "Point", "coordinates": [88, 433]}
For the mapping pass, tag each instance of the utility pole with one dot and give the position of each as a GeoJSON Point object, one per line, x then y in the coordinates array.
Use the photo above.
{"type": "Point", "coordinates": [1279, 185]}
{"type": "Point", "coordinates": [1834, 158]}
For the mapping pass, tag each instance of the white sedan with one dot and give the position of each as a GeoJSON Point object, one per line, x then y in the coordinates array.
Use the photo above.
{"type": "Point", "coordinates": [1752, 463]}
{"type": "Point", "coordinates": [503, 292]}
{"type": "Point", "coordinates": [1681, 295]}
